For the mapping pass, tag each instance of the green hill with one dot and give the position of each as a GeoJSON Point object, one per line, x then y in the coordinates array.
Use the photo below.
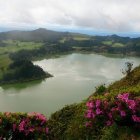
{"type": "Point", "coordinates": [22, 71]}
{"type": "Point", "coordinates": [36, 35]}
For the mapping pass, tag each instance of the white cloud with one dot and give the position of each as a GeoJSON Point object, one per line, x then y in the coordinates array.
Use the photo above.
{"type": "Point", "coordinates": [110, 15]}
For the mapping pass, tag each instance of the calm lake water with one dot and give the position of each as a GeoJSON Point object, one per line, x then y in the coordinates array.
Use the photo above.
{"type": "Point", "coordinates": [75, 78]}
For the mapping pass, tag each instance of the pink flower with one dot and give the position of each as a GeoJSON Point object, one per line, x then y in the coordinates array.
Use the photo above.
{"type": "Point", "coordinates": [22, 125]}
{"type": "Point", "coordinates": [98, 103]}
{"type": "Point", "coordinates": [123, 96]}
{"type": "Point", "coordinates": [123, 114]}
{"type": "Point", "coordinates": [89, 111]}
{"type": "Point", "coordinates": [38, 116]}
{"type": "Point", "coordinates": [93, 115]}
{"type": "Point", "coordinates": [41, 117]}
{"type": "Point", "coordinates": [135, 118]}
{"type": "Point", "coordinates": [98, 111]}
{"type": "Point", "coordinates": [90, 104]}
{"type": "Point", "coordinates": [90, 115]}
{"type": "Point", "coordinates": [131, 104]}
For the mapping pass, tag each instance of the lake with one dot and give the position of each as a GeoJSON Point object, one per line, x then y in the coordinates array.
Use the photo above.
{"type": "Point", "coordinates": [75, 78]}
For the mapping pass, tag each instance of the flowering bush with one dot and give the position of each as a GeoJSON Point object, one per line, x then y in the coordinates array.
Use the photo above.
{"type": "Point", "coordinates": [124, 110]}
{"type": "Point", "coordinates": [23, 126]}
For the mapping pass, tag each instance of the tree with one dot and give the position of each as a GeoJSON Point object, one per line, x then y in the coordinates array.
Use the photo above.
{"type": "Point", "coordinates": [128, 68]}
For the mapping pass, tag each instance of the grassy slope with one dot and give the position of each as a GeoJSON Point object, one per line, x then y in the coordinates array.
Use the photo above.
{"type": "Point", "coordinates": [77, 37]}
{"type": "Point", "coordinates": [14, 46]}
{"type": "Point", "coordinates": [68, 123]}
{"type": "Point", "coordinates": [4, 62]}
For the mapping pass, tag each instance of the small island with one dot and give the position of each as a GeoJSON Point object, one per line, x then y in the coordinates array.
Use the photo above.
{"type": "Point", "coordinates": [22, 71]}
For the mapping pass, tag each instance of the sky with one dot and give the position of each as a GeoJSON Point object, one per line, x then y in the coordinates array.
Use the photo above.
{"type": "Point", "coordinates": [98, 16]}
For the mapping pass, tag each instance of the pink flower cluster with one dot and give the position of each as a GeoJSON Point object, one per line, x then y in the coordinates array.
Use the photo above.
{"type": "Point", "coordinates": [127, 104]}
{"type": "Point", "coordinates": [98, 112]}
{"type": "Point", "coordinates": [23, 124]}
{"type": "Point", "coordinates": [125, 110]}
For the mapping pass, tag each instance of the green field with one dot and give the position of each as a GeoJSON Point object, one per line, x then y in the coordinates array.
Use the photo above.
{"type": "Point", "coordinates": [118, 45]}
{"type": "Point", "coordinates": [4, 62]}
{"type": "Point", "coordinates": [13, 46]}
{"type": "Point", "coordinates": [80, 38]}
{"type": "Point", "coordinates": [75, 37]}
{"type": "Point", "coordinates": [107, 42]}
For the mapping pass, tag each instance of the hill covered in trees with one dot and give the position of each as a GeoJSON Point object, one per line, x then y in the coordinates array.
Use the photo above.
{"type": "Point", "coordinates": [38, 35]}
{"type": "Point", "coordinates": [21, 71]}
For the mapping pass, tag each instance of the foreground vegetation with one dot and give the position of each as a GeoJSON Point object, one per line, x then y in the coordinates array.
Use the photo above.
{"type": "Point", "coordinates": [23, 126]}
{"type": "Point", "coordinates": [70, 123]}
{"type": "Point", "coordinates": [111, 113]}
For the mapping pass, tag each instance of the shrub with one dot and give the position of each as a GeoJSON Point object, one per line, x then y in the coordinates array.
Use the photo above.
{"type": "Point", "coordinates": [128, 69]}
{"type": "Point", "coordinates": [17, 126]}
{"type": "Point", "coordinates": [100, 89]}
{"type": "Point", "coordinates": [124, 111]}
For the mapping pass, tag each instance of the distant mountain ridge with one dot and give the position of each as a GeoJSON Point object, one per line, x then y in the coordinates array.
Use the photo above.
{"type": "Point", "coordinates": [42, 34]}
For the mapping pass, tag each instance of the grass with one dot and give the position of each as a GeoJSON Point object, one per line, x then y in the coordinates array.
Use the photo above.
{"type": "Point", "coordinates": [4, 61]}
{"type": "Point", "coordinates": [107, 43]}
{"type": "Point", "coordinates": [63, 40]}
{"type": "Point", "coordinates": [118, 45]}
{"type": "Point", "coordinates": [115, 45]}
{"type": "Point", "coordinates": [80, 38]}
{"type": "Point", "coordinates": [75, 37]}
{"type": "Point", "coordinates": [13, 46]}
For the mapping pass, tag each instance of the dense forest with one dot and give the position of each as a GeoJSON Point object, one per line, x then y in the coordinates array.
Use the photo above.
{"type": "Point", "coordinates": [46, 49]}
{"type": "Point", "coordinates": [22, 70]}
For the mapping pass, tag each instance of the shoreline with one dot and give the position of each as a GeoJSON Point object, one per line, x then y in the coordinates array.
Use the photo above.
{"type": "Point", "coordinates": [23, 81]}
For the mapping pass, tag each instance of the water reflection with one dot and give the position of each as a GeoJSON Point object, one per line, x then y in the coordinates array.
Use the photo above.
{"type": "Point", "coordinates": [19, 86]}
